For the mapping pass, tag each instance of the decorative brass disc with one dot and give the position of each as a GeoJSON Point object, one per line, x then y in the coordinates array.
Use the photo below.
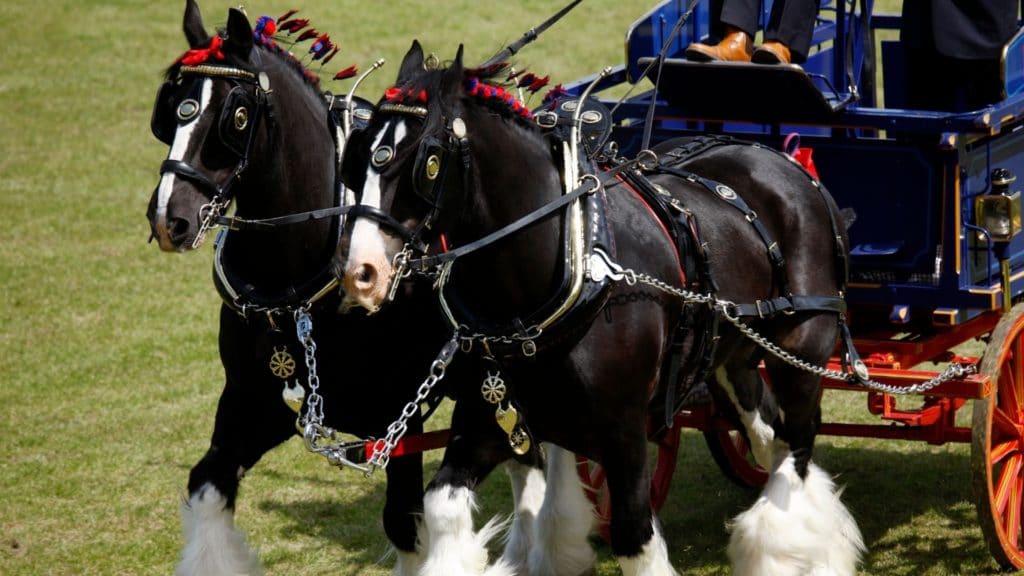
{"type": "Point", "coordinates": [493, 388]}
{"type": "Point", "coordinates": [282, 364]}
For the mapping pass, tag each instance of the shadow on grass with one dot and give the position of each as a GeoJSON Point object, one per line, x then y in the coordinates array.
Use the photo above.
{"type": "Point", "coordinates": [913, 502]}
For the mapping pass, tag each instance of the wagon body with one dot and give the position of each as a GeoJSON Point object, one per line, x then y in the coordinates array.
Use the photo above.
{"type": "Point", "coordinates": [926, 275]}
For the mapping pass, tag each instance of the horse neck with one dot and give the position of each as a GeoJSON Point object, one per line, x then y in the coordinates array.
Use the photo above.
{"type": "Point", "coordinates": [294, 172]}
{"type": "Point", "coordinates": [513, 175]}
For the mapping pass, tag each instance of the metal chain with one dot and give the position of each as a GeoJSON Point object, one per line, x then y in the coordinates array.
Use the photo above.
{"type": "Point", "coordinates": [209, 213]}
{"type": "Point", "coordinates": [724, 306]}
{"type": "Point", "coordinates": [383, 447]}
{"type": "Point", "coordinates": [320, 439]}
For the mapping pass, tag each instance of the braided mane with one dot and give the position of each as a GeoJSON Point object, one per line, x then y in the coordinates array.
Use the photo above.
{"type": "Point", "coordinates": [274, 36]}
{"type": "Point", "coordinates": [494, 87]}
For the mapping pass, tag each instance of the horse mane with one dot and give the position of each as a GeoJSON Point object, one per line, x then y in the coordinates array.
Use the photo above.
{"type": "Point", "coordinates": [493, 87]}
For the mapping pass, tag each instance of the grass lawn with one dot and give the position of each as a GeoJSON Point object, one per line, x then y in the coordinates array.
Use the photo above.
{"type": "Point", "coordinates": [109, 374]}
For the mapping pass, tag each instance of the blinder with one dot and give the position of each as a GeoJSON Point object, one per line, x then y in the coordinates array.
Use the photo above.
{"type": "Point", "coordinates": [439, 170]}
{"type": "Point", "coordinates": [163, 122]}
{"type": "Point", "coordinates": [238, 118]}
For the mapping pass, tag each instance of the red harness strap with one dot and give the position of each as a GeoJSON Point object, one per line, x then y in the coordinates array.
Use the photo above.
{"type": "Point", "coordinates": [664, 230]}
{"type": "Point", "coordinates": [413, 443]}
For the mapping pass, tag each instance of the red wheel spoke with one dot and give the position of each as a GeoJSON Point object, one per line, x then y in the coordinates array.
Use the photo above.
{"type": "Point", "coordinates": [1004, 425]}
{"type": "Point", "coordinates": [1002, 450]}
{"type": "Point", "coordinates": [1009, 398]}
{"type": "Point", "coordinates": [1012, 525]}
{"type": "Point", "coordinates": [1007, 483]}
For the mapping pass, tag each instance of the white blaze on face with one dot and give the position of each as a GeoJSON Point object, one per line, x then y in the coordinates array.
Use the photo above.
{"type": "Point", "coordinates": [368, 243]}
{"type": "Point", "coordinates": [182, 140]}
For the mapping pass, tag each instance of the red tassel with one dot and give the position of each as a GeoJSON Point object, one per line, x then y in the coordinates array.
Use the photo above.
{"type": "Point", "coordinates": [311, 33]}
{"type": "Point", "coordinates": [329, 56]}
{"type": "Point", "coordinates": [287, 15]}
{"type": "Point", "coordinates": [200, 55]}
{"type": "Point", "coordinates": [538, 83]}
{"type": "Point", "coordinates": [350, 72]}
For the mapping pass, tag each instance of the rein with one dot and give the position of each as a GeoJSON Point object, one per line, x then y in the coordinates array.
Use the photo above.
{"type": "Point", "coordinates": [426, 263]}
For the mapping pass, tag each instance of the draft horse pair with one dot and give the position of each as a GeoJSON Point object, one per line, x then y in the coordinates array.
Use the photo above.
{"type": "Point", "coordinates": [538, 244]}
{"type": "Point", "coordinates": [248, 125]}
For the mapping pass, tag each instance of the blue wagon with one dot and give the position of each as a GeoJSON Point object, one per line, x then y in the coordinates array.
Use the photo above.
{"type": "Point", "coordinates": [936, 260]}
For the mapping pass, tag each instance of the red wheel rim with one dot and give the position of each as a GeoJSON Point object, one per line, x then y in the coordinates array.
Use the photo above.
{"type": "Point", "coordinates": [999, 443]}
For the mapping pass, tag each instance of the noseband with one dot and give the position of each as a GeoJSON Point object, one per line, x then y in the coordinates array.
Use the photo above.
{"type": "Point", "coordinates": [237, 125]}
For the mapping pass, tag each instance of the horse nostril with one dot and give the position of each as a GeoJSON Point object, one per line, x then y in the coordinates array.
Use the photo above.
{"type": "Point", "coordinates": [178, 227]}
{"type": "Point", "coordinates": [366, 276]}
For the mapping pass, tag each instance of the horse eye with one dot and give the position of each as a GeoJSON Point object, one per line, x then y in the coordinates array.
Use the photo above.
{"type": "Point", "coordinates": [241, 118]}
{"type": "Point", "coordinates": [188, 109]}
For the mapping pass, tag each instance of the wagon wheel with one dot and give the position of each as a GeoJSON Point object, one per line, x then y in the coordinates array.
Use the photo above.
{"type": "Point", "coordinates": [732, 454]}
{"type": "Point", "coordinates": [593, 477]}
{"type": "Point", "coordinates": [997, 450]}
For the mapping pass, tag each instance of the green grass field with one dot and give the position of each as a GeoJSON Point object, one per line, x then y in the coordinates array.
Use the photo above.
{"type": "Point", "coordinates": [109, 374]}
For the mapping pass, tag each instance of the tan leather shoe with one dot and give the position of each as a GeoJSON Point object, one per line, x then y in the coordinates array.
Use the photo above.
{"type": "Point", "coordinates": [735, 47]}
{"type": "Point", "coordinates": [771, 52]}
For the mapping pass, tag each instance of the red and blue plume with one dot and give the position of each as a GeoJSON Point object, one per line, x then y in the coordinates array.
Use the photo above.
{"type": "Point", "coordinates": [265, 26]}
{"type": "Point", "coordinates": [322, 45]}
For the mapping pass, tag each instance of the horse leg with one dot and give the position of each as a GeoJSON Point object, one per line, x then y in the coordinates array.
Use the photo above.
{"type": "Point", "coordinates": [564, 522]}
{"type": "Point", "coordinates": [243, 432]}
{"type": "Point", "coordinates": [756, 409]}
{"type": "Point", "coordinates": [528, 494]}
{"type": "Point", "coordinates": [453, 548]}
{"type": "Point", "coordinates": [636, 538]}
{"type": "Point", "coordinates": [798, 525]}
{"type": "Point", "coordinates": [402, 509]}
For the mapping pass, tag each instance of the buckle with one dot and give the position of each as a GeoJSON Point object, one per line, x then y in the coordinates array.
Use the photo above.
{"type": "Point", "coordinates": [546, 119]}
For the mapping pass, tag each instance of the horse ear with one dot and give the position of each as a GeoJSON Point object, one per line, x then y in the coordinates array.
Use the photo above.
{"type": "Point", "coordinates": [195, 32]}
{"type": "Point", "coordinates": [239, 40]}
{"type": "Point", "coordinates": [453, 76]}
{"type": "Point", "coordinates": [412, 63]}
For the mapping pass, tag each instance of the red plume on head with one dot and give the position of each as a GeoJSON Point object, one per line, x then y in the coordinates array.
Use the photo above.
{"type": "Point", "coordinates": [287, 15]}
{"type": "Point", "coordinates": [200, 55]}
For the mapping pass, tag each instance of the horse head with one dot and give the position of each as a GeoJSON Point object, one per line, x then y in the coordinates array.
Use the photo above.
{"type": "Point", "coordinates": [425, 165]}
{"type": "Point", "coordinates": [217, 112]}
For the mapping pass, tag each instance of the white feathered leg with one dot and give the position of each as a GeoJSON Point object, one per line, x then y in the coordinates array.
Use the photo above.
{"type": "Point", "coordinates": [409, 563]}
{"type": "Point", "coordinates": [797, 527]}
{"type": "Point", "coordinates": [453, 549]}
{"type": "Point", "coordinates": [652, 559]}
{"type": "Point", "coordinates": [528, 487]}
{"type": "Point", "coordinates": [213, 545]}
{"type": "Point", "coordinates": [565, 521]}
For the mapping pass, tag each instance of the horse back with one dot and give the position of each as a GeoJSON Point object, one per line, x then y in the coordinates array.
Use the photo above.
{"type": "Point", "coordinates": [793, 209]}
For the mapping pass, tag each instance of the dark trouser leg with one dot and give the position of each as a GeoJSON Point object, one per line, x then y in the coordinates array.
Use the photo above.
{"type": "Point", "coordinates": [792, 23]}
{"type": "Point", "coordinates": [741, 14]}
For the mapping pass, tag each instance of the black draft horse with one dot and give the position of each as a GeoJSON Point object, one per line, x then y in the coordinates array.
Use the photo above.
{"type": "Point", "coordinates": [247, 123]}
{"type": "Point", "coordinates": [451, 154]}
